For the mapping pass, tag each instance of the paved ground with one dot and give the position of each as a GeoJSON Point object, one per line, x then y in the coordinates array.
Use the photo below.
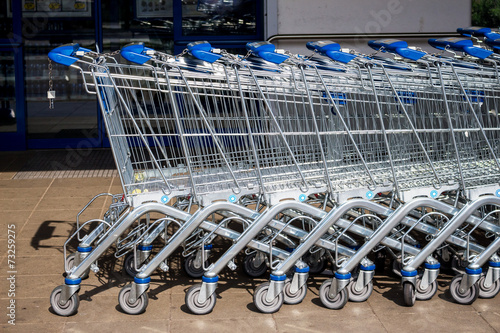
{"type": "Point", "coordinates": [43, 212]}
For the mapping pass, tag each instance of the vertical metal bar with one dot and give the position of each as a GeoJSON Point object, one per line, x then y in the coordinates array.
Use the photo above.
{"type": "Point", "coordinates": [382, 126]}
{"type": "Point", "coordinates": [410, 123]}
{"type": "Point", "coordinates": [490, 148]}
{"type": "Point", "coordinates": [181, 132]}
{"type": "Point", "coordinates": [313, 116]}
{"type": "Point", "coordinates": [346, 128]}
{"type": "Point", "coordinates": [210, 129]}
{"type": "Point", "coordinates": [112, 143]}
{"type": "Point", "coordinates": [141, 136]}
{"type": "Point", "coordinates": [282, 135]}
{"type": "Point", "coordinates": [249, 128]}
{"type": "Point", "coordinates": [450, 124]}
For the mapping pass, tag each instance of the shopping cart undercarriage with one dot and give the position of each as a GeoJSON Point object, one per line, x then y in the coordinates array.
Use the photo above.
{"type": "Point", "coordinates": [297, 161]}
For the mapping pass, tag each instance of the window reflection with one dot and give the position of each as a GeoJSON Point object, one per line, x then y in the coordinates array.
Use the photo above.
{"type": "Point", "coordinates": [218, 17]}
{"type": "Point", "coordinates": [5, 19]}
{"type": "Point", "coordinates": [148, 21]}
{"type": "Point", "coordinates": [7, 93]}
{"type": "Point", "coordinates": [75, 113]}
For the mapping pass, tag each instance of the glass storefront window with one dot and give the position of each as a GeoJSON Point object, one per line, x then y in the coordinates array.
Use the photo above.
{"type": "Point", "coordinates": [29, 29]}
{"type": "Point", "coordinates": [147, 21]}
{"type": "Point", "coordinates": [7, 93]}
{"type": "Point", "coordinates": [219, 17]}
{"type": "Point", "coordinates": [45, 26]}
{"type": "Point", "coordinates": [5, 20]}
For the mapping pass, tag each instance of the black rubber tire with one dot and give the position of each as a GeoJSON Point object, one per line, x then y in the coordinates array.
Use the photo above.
{"type": "Point", "coordinates": [316, 265]}
{"type": "Point", "coordinates": [250, 268]}
{"type": "Point", "coordinates": [128, 265]}
{"type": "Point", "coordinates": [338, 302]}
{"type": "Point", "coordinates": [192, 271]}
{"type": "Point", "coordinates": [194, 306]}
{"type": "Point", "coordinates": [68, 309]}
{"type": "Point", "coordinates": [259, 299]}
{"type": "Point", "coordinates": [136, 308]}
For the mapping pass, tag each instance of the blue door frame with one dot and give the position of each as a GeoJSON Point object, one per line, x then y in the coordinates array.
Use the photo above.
{"type": "Point", "coordinates": [18, 140]}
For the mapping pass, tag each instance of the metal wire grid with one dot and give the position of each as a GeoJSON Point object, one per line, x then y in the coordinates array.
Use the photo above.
{"type": "Point", "coordinates": [234, 128]}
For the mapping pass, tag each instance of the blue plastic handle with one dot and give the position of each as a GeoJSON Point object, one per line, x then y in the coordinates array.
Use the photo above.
{"type": "Point", "coordinates": [399, 47]}
{"type": "Point", "coordinates": [493, 41]}
{"type": "Point", "coordinates": [136, 53]}
{"type": "Point", "coordinates": [67, 54]}
{"type": "Point", "coordinates": [460, 45]}
{"type": "Point", "coordinates": [266, 51]}
{"type": "Point", "coordinates": [203, 51]}
{"type": "Point", "coordinates": [331, 50]}
{"type": "Point", "coordinates": [322, 46]}
{"type": "Point", "coordinates": [474, 31]}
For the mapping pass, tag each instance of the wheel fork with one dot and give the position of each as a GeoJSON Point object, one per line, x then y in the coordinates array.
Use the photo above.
{"type": "Point", "coordinates": [208, 287]}
{"type": "Point", "coordinates": [339, 282]}
{"type": "Point", "coordinates": [138, 287]}
{"type": "Point", "coordinates": [67, 291]}
{"type": "Point", "coordinates": [492, 275]}
{"type": "Point", "coordinates": [470, 277]}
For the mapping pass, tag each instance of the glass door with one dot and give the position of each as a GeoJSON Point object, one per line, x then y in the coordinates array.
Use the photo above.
{"type": "Point", "coordinates": [12, 120]}
{"type": "Point", "coordinates": [73, 122]}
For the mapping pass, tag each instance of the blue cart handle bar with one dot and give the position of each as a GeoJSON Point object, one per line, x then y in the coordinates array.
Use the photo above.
{"type": "Point", "coordinates": [396, 46]}
{"type": "Point", "coordinates": [67, 54]}
{"type": "Point", "coordinates": [475, 32]}
{"type": "Point", "coordinates": [137, 53]}
{"type": "Point", "coordinates": [460, 45]}
{"type": "Point", "coordinates": [203, 51]}
{"type": "Point", "coordinates": [331, 50]}
{"type": "Point", "coordinates": [266, 51]}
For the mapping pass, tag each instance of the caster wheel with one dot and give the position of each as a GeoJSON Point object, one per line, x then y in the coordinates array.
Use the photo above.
{"type": "Point", "coordinates": [138, 307]}
{"type": "Point", "coordinates": [488, 292]}
{"type": "Point", "coordinates": [70, 263]}
{"type": "Point", "coordinates": [426, 294]}
{"type": "Point", "coordinates": [68, 309]}
{"type": "Point", "coordinates": [191, 270]}
{"type": "Point", "coordinates": [128, 265]}
{"type": "Point", "coordinates": [70, 260]}
{"type": "Point", "coordinates": [409, 295]}
{"type": "Point", "coordinates": [250, 267]}
{"type": "Point", "coordinates": [295, 298]}
{"type": "Point", "coordinates": [315, 262]}
{"type": "Point", "coordinates": [466, 298]}
{"type": "Point", "coordinates": [362, 295]}
{"type": "Point", "coordinates": [194, 306]}
{"type": "Point", "coordinates": [332, 303]}
{"type": "Point", "coordinates": [259, 299]}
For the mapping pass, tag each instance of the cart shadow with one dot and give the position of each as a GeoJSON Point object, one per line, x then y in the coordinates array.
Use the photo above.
{"type": "Point", "coordinates": [46, 231]}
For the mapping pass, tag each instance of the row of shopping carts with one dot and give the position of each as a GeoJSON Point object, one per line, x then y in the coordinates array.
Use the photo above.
{"type": "Point", "coordinates": [297, 161]}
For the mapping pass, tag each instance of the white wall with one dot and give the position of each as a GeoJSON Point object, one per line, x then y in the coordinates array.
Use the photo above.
{"type": "Point", "coordinates": [364, 17]}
